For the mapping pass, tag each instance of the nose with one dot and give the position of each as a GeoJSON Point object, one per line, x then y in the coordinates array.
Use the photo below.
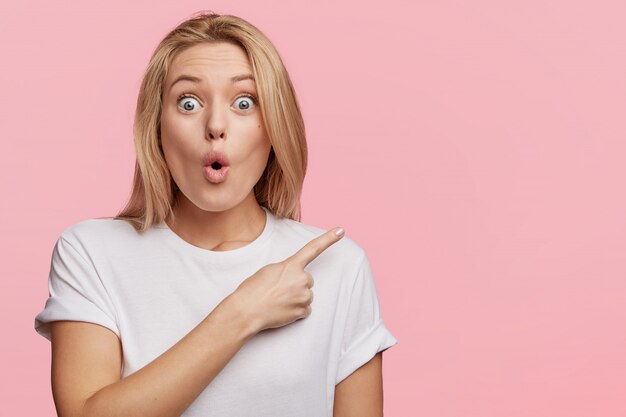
{"type": "Point", "coordinates": [216, 125]}
{"type": "Point", "coordinates": [214, 133]}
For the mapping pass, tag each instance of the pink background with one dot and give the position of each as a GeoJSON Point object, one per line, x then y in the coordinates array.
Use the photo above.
{"type": "Point", "coordinates": [476, 150]}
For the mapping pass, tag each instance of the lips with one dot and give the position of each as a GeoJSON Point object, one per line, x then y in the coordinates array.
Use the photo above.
{"type": "Point", "coordinates": [215, 159]}
{"type": "Point", "coordinates": [215, 166]}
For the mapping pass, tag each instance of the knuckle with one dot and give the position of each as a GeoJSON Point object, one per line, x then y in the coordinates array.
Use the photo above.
{"type": "Point", "coordinates": [290, 265]}
{"type": "Point", "coordinates": [306, 297]}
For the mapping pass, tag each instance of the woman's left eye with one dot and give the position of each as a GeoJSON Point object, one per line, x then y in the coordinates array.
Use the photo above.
{"type": "Point", "coordinates": [248, 102]}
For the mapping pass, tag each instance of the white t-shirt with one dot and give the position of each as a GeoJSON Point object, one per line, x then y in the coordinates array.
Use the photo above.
{"type": "Point", "coordinates": [152, 289]}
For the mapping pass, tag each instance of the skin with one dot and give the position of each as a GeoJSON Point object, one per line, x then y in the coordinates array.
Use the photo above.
{"type": "Point", "coordinates": [361, 393]}
{"type": "Point", "coordinates": [222, 216]}
{"type": "Point", "coordinates": [226, 216]}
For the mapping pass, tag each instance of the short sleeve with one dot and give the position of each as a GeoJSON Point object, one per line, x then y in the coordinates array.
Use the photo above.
{"type": "Point", "coordinates": [75, 291]}
{"type": "Point", "coordinates": [365, 332]}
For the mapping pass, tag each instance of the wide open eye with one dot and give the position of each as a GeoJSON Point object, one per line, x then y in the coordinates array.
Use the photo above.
{"type": "Point", "coordinates": [246, 102]}
{"type": "Point", "coordinates": [188, 103]}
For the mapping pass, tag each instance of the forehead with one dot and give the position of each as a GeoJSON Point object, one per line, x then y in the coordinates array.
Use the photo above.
{"type": "Point", "coordinates": [216, 62]}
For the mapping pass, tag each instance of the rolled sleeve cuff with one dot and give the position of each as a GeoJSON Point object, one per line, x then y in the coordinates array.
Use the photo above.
{"type": "Point", "coordinates": [377, 339]}
{"type": "Point", "coordinates": [81, 310]}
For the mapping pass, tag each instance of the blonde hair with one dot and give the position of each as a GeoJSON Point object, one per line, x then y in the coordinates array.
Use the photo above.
{"type": "Point", "coordinates": [279, 188]}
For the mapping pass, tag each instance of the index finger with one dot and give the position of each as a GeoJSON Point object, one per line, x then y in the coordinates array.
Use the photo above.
{"type": "Point", "coordinates": [316, 246]}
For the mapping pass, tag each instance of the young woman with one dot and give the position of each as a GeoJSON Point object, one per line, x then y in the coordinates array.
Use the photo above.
{"type": "Point", "coordinates": [196, 299]}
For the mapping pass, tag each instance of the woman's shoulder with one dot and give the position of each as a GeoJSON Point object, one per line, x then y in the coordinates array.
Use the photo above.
{"type": "Point", "coordinates": [98, 230]}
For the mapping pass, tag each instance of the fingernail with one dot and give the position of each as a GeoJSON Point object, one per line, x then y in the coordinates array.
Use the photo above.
{"type": "Point", "coordinates": [339, 231]}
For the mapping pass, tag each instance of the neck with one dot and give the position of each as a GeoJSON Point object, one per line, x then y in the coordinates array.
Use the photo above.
{"type": "Point", "coordinates": [218, 230]}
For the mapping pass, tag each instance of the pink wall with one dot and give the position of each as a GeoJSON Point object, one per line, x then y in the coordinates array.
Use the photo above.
{"type": "Point", "coordinates": [476, 150]}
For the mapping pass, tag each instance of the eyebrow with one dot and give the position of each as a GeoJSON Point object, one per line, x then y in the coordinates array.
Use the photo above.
{"type": "Point", "coordinates": [234, 79]}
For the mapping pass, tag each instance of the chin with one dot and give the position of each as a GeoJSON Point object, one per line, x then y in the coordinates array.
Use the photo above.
{"type": "Point", "coordinates": [218, 201]}
{"type": "Point", "coordinates": [217, 206]}
{"type": "Point", "coordinates": [215, 197]}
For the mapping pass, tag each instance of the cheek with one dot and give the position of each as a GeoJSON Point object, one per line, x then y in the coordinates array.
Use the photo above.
{"type": "Point", "coordinates": [167, 129]}
{"type": "Point", "coordinates": [261, 135]}
{"type": "Point", "coordinates": [172, 126]}
{"type": "Point", "coordinates": [260, 155]}
{"type": "Point", "coordinates": [177, 133]}
{"type": "Point", "coordinates": [255, 152]}
{"type": "Point", "coordinates": [172, 143]}
{"type": "Point", "coordinates": [262, 143]}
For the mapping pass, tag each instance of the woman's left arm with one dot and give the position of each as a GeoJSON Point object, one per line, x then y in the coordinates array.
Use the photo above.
{"type": "Point", "coordinates": [361, 393]}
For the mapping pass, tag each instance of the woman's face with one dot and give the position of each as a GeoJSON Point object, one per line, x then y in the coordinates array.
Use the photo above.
{"type": "Point", "coordinates": [204, 110]}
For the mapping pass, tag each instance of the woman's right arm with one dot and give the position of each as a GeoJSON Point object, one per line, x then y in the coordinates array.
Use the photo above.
{"type": "Point", "coordinates": [87, 360]}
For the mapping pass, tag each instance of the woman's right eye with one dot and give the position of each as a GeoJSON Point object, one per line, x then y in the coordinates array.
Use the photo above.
{"type": "Point", "coordinates": [187, 103]}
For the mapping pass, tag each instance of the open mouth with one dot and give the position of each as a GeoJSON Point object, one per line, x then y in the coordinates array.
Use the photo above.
{"type": "Point", "coordinates": [215, 166]}
{"type": "Point", "coordinates": [216, 172]}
